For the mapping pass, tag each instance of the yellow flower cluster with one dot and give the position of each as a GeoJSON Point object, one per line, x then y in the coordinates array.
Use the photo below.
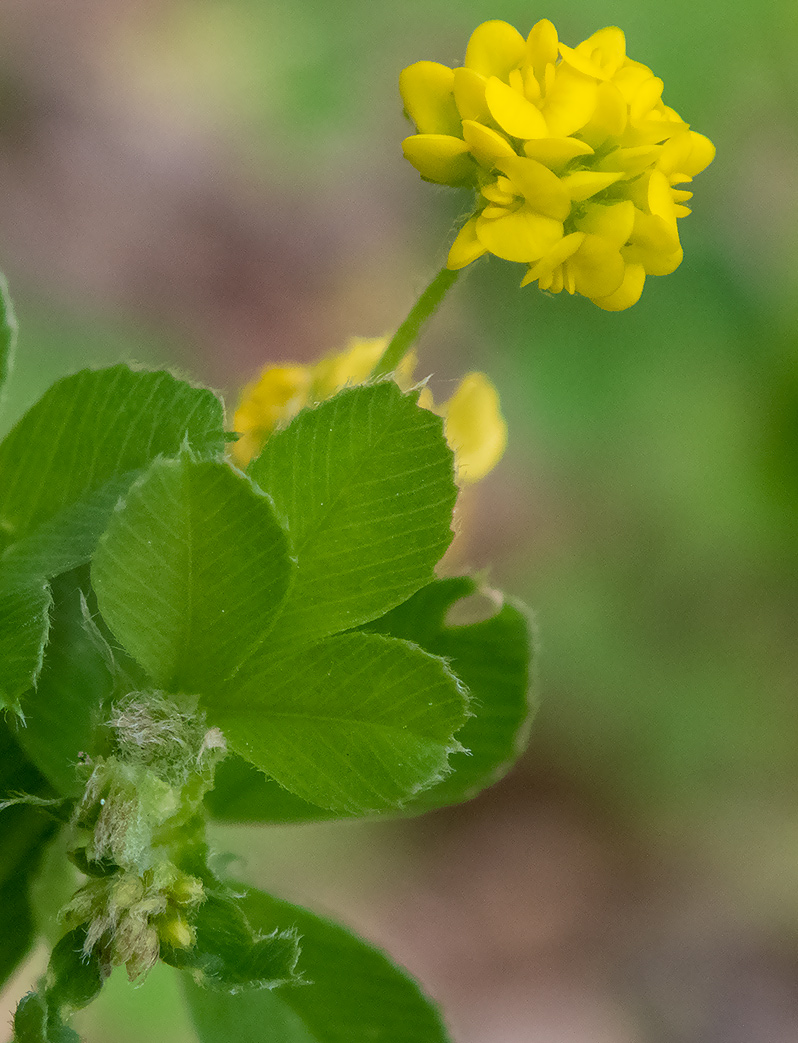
{"type": "Point", "coordinates": [473, 423]}
{"type": "Point", "coordinates": [572, 153]}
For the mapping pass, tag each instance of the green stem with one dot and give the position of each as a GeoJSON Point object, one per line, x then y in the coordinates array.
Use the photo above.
{"type": "Point", "coordinates": [423, 309]}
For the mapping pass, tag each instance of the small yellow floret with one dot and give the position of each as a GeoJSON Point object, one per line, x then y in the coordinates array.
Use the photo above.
{"type": "Point", "coordinates": [558, 141]}
{"type": "Point", "coordinates": [475, 428]}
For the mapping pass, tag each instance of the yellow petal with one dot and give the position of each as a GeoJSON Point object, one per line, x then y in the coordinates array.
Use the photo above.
{"type": "Point", "coordinates": [511, 110]}
{"type": "Point", "coordinates": [486, 145]}
{"type": "Point", "coordinates": [466, 247]}
{"type": "Point", "coordinates": [601, 55]}
{"type": "Point", "coordinates": [544, 268]}
{"type": "Point", "coordinates": [555, 153]}
{"type": "Point", "coordinates": [632, 161]}
{"type": "Point", "coordinates": [597, 267]}
{"type": "Point", "coordinates": [348, 367]}
{"type": "Point", "coordinates": [273, 399]}
{"type": "Point", "coordinates": [541, 188]}
{"type": "Point", "coordinates": [688, 153]}
{"type": "Point", "coordinates": [500, 192]}
{"type": "Point", "coordinates": [611, 222]}
{"type": "Point", "coordinates": [494, 49]}
{"type": "Point", "coordinates": [583, 184]}
{"type": "Point", "coordinates": [630, 77]}
{"type": "Point", "coordinates": [426, 90]}
{"type": "Point", "coordinates": [542, 47]}
{"type": "Point", "coordinates": [520, 236]}
{"type": "Point", "coordinates": [628, 293]}
{"type": "Point", "coordinates": [609, 117]}
{"type": "Point", "coordinates": [469, 94]}
{"type": "Point", "coordinates": [440, 158]}
{"type": "Point", "coordinates": [571, 101]}
{"type": "Point", "coordinates": [475, 427]}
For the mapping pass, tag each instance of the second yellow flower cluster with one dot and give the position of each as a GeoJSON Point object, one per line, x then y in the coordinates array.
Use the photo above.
{"type": "Point", "coordinates": [473, 423]}
{"type": "Point", "coordinates": [572, 152]}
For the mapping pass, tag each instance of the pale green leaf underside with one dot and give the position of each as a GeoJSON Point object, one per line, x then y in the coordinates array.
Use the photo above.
{"type": "Point", "coordinates": [191, 571]}
{"type": "Point", "coordinates": [67, 461]}
{"type": "Point", "coordinates": [8, 335]}
{"type": "Point", "coordinates": [357, 994]}
{"type": "Point", "coordinates": [356, 723]}
{"type": "Point", "coordinates": [492, 657]}
{"type": "Point", "coordinates": [24, 625]}
{"type": "Point", "coordinates": [365, 483]}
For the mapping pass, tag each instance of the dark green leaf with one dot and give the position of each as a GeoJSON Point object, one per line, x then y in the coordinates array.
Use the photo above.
{"type": "Point", "coordinates": [25, 832]}
{"type": "Point", "coordinates": [73, 979]}
{"type": "Point", "coordinates": [191, 571]}
{"type": "Point", "coordinates": [35, 1022]}
{"type": "Point", "coordinates": [492, 657]}
{"type": "Point", "coordinates": [62, 717]}
{"type": "Point", "coordinates": [356, 723]}
{"type": "Point", "coordinates": [8, 334]}
{"type": "Point", "coordinates": [355, 994]}
{"type": "Point", "coordinates": [24, 625]}
{"type": "Point", "coordinates": [67, 461]}
{"type": "Point", "coordinates": [365, 482]}
{"type": "Point", "coordinates": [230, 956]}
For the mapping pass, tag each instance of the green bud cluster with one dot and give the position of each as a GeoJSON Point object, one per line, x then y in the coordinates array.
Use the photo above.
{"type": "Point", "coordinates": [138, 832]}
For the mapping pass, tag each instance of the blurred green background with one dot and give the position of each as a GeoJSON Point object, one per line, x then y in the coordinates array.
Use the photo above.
{"type": "Point", "coordinates": [213, 185]}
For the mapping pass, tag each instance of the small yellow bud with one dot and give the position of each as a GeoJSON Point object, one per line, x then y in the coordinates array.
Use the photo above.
{"type": "Point", "coordinates": [177, 933]}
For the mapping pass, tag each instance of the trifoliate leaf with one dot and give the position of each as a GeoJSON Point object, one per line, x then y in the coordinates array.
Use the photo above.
{"type": "Point", "coordinates": [365, 483]}
{"type": "Point", "coordinates": [190, 572]}
{"type": "Point", "coordinates": [354, 992]}
{"type": "Point", "coordinates": [356, 723]}
{"type": "Point", "coordinates": [67, 461]}
{"type": "Point", "coordinates": [492, 657]}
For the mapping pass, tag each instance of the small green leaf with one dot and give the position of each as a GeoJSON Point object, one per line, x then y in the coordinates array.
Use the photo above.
{"type": "Point", "coordinates": [25, 832]}
{"type": "Point", "coordinates": [24, 626]}
{"type": "Point", "coordinates": [492, 657]}
{"type": "Point", "coordinates": [63, 715]}
{"type": "Point", "coordinates": [365, 482]}
{"type": "Point", "coordinates": [355, 993]}
{"type": "Point", "coordinates": [67, 461]}
{"type": "Point", "coordinates": [356, 723]}
{"type": "Point", "coordinates": [35, 1022]}
{"type": "Point", "coordinates": [191, 570]}
{"type": "Point", "coordinates": [8, 334]}
{"type": "Point", "coordinates": [228, 955]}
{"type": "Point", "coordinates": [73, 979]}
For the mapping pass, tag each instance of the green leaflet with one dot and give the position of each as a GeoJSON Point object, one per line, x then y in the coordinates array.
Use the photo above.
{"type": "Point", "coordinates": [8, 335]}
{"type": "Point", "coordinates": [229, 955]}
{"type": "Point", "coordinates": [191, 571]}
{"type": "Point", "coordinates": [492, 657]}
{"type": "Point", "coordinates": [365, 484]}
{"type": "Point", "coordinates": [62, 716]}
{"type": "Point", "coordinates": [25, 831]}
{"type": "Point", "coordinates": [24, 625]}
{"type": "Point", "coordinates": [356, 723]}
{"type": "Point", "coordinates": [355, 992]}
{"type": "Point", "coordinates": [66, 462]}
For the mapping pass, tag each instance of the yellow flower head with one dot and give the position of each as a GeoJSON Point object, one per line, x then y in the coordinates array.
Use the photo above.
{"type": "Point", "coordinates": [571, 151]}
{"type": "Point", "coordinates": [473, 423]}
